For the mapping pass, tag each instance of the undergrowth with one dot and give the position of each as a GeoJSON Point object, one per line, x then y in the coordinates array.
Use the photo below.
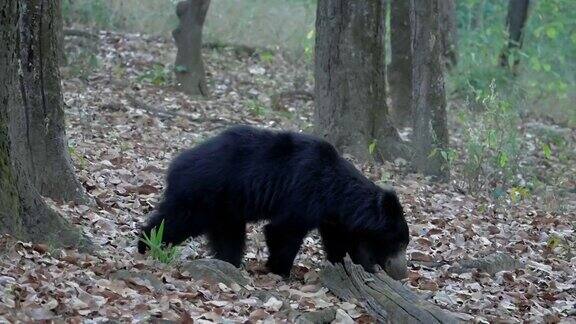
{"type": "Point", "coordinates": [158, 250]}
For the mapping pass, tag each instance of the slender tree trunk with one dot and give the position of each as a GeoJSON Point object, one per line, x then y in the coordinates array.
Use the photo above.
{"type": "Point", "coordinates": [23, 213]}
{"type": "Point", "coordinates": [448, 33]}
{"type": "Point", "coordinates": [351, 110]}
{"type": "Point", "coordinates": [189, 68]}
{"type": "Point", "coordinates": [400, 72]}
{"type": "Point", "coordinates": [59, 31]}
{"type": "Point", "coordinates": [37, 132]}
{"type": "Point", "coordinates": [430, 127]}
{"type": "Point", "coordinates": [477, 21]}
{"type": "Point", "coordinates": [515, 22]}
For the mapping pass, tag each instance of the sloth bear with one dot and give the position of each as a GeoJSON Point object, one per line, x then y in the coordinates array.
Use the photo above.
{"type": "Point", "coordinates": [298, 183]}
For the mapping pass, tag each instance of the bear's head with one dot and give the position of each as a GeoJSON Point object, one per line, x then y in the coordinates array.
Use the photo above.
{"type": "Point", "coordinates": [382, 237]}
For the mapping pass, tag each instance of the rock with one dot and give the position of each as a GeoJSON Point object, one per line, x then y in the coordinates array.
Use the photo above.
{"type": "Point", "coordinates": [214, 271]}
{"type": "Point", "coordinates": [322, 316]}
{"type": "Point", "coordinates": [126, 275]}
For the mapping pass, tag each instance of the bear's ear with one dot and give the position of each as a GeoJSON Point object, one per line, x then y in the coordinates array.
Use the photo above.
{"type": "Point", "coordinates": [389, 205]}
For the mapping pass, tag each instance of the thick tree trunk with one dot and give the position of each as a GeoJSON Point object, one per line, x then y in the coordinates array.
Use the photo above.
{"type": "Point", "coordinates": [400, 72]}
{"type": "Point", "coordinates": [430, 128]}
{"type": "Point", "coordinates": [351, 110]}
{"type": "Point", "coordinates": [189, 68]}
{"type": "Point", "coordinates": [515, 22]}
{"type": "Point", "coordinates": [448, 33]}
{"type": "Point", "coordinates": [37, 132]}
{"type": "Point", "coordinates": [23, 213]}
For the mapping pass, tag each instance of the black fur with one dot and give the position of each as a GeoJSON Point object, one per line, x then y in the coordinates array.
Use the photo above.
{"type": "Point", "coordinates": [297, 182]}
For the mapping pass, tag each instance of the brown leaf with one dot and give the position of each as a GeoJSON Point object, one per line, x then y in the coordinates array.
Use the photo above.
{"type": "Point", "coordinates": [144, 189]}
{"type": "Point", "coordinates": [40, 248]}
{"type": "Point", "coordinates": [419, 256]}
{"type": "Point", "coordinates": [185, 318]}
{"type": "Point", "coordinates": [258, 314]}
{"type": "Point", "coordinates": [428, 285]}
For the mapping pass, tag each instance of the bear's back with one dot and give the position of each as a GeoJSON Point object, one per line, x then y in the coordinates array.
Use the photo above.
{"type": "Point", "coordinates": [279, 144]}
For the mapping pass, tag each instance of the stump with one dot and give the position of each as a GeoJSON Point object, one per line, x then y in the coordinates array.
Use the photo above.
{"type": "Point", "coordinates": [383, 297]}
{"type": "Point", "coordinates": [189, 68]}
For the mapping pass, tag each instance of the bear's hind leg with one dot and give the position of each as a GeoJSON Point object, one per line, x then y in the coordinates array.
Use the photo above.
{"type": "Point", "coordinates": [227, 242]}
{"type": "Point", "coordinates": [283, 245]}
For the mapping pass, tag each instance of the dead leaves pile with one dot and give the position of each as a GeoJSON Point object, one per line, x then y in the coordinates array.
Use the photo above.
{"type": "Point", "coordinates": [121, 149]}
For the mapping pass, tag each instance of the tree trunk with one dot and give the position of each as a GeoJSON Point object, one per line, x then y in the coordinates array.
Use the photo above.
{"type": "Point", "coordinates": [477, 16]}
{"type": "Point", "coordinates": [37, 131]}
{"type": "Point", "coordinates": [351, 110]}
{"type": "Point", "coordinates": [189, 68]}
{"type": "Point", "coordinates": [448, 33]}
{"type": "Point", "coordinates": [430, 128]}
{"type": "Point", "coordinates": [23, 213]}
{"type": "Point", "coordinates": [400, 73]}
{"type": "Point", "coordinates": [59, 31]}
{"type": "Point", "coordinates": [515, 22]}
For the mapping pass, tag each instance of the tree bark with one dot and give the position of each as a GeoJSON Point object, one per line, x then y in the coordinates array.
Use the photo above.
{"type": "Point", "coordinates": [429, 98]}
{"type": "Point", "coordinates": [37, 132]}
{"type": "Point", "coordinates": [400, 72]}
{"type": "Point", "coordinates": [448, 33]}
{"type": "Point", "coordinates": [477, 16]}
{"type": "Point", "coordinates": [515, 22]}
{"type": "Point", "coordinates": [350, 72]}
{"type": "Point", "coordinates": [189, 68]}
{"type": "Point", "coordinates": [23, 213]}
{"type": "Point", "coordinates": [59, 31]}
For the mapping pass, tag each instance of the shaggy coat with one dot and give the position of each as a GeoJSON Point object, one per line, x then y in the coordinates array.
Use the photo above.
{"type": "Point", "coordinates": [297, 183]}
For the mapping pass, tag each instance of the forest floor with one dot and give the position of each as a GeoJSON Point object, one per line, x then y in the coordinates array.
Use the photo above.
{"type": "Point", "coordinates": [125, 123]}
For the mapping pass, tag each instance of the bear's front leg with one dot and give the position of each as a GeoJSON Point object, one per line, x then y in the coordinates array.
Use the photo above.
{"type": "Point", "coordinates": [227, 241]}
{"type": "Point", "coordinates": [336, 241]}
{"type": "Point", "coordinates": [283, 245]}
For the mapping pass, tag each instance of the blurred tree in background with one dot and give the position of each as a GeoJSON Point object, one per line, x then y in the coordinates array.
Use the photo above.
{"type": "Point", "coordinates": [549, 48]}
{"type": "Point", "coordinates": [545, 83]}
{"type": "Point", "coordinates": [472, 34]}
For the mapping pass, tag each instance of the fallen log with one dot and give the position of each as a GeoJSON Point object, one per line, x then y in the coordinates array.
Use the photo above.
{"type": "Point", "coordinates": [383, 297]}
{"type": "Point", "coordinates": [491, 264]}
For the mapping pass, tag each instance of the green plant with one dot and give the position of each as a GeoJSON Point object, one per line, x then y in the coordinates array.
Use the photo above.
{"type": "Point", "coordinates": [518, 193]}
{"type": "Point", "coordinates": [372, 147]}
{"type": "Point", "coordinates": [83, 62]}
{"type": "Point", "coordinates": [309, 44]}
{"type": "Point", "coordinates": [266, 56]}
{"type": "Point", "coordinates": [491, 142]}
{"type": "Point", "coordinates": [159, 75]}
{"type": "Point", "coordinates": [448, 155]}
{"type": "Point", "coordinates": [547, 58]}
{"type": "Point", "coordinates": [158, 251]}
{"type": "Point", "coordinates": [80, 159]}
{"type": "Point", "coordinates": [256, 108]}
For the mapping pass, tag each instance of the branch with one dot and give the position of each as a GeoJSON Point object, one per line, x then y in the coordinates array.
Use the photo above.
{"type": "Point", "coordinates": [491, 264]}
{"type": "Point", "coordinates": [80, 33]}
{"type": "Point", "coordinates": [139, 104]}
